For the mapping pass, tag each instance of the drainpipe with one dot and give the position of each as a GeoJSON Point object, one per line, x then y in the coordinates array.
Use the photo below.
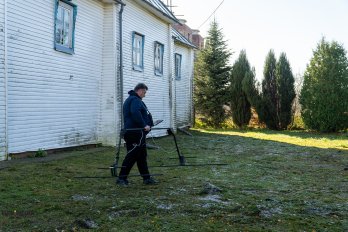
{"type": "Point", "coordinates": [193, 89]}
{"type": "Point", "coordinates": [121, 60]}
{"type": "Point", "coordinates": [171, 81]}
{"type": "Point", "coordinates": [6, 81]}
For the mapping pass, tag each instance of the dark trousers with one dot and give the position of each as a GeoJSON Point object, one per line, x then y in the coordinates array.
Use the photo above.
{"type": "Point", "coordinates": [136, 153]}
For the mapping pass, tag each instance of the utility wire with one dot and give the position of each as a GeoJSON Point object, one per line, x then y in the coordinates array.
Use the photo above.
{"type": "Point", "coordinates": [211, 14]}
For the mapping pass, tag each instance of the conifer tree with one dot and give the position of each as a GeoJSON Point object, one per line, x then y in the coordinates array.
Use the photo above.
{"type": "Point", "coordinates": [252, 89]}
{"type": "Point", "coordinates": [273, 103]}
{"type": "Point", "coordinates": [240, 106]}
{"type": "Point", "coordinates": [324, 96]}
{"type": "Point", "coordinates": [270, 97]}
{"type": "Point", "coordinates": [211, 77]}
{"type": "Point", "coordinates": [286, 91]}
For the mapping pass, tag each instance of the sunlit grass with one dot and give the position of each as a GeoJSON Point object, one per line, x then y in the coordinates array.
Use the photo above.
{"type": "Point", "coordinates": [307, 139]}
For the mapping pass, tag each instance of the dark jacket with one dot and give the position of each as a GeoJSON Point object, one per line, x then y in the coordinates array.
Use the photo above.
{"type": "Point", "coordinates": [135, 112]}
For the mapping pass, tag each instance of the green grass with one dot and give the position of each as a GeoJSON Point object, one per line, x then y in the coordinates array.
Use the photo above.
{"type": "Point", "coordinates": [275, 181]}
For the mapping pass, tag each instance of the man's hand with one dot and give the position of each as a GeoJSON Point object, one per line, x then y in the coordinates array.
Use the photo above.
{"type": "Point", "coordinates": [147, 128]}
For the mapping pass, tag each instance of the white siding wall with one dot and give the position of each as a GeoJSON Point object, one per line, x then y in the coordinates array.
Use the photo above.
{"type": "Point", "coordinates": [109, 117]}
{"type": "Point", "coordinates": [154, 29]}
{"type": "Point", "coordinates": [2, 82]}
{"type": "Point", "coordinates": [183, 87]}
{"type": "Point", "coordinates": [53, 97]}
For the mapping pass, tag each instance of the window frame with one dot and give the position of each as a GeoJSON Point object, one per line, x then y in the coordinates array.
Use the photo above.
{"type": "Point", "coordinates": [138, 66]}
{"type": "Point", "coordinates": [57, 46]}
{"type": "Point", "coordinates": [177, 65]}
{"type": "Point", "coordinates": [158, 70]}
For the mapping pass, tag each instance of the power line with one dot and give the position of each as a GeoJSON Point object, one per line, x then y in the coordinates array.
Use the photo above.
{"type": "Point", "coordinates": [211, 14]}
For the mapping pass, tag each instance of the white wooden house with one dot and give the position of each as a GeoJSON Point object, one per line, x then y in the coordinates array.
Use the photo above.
{"type": "Point", "coordinates": [66, 67]}
{"type": "Point", "coordinates": [183, 73]}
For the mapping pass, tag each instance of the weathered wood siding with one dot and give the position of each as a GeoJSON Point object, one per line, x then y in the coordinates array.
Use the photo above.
{"type": "Point", "coordinates": [53, 97]}
{"type": "Point", "coordinates": [2, 83]}
{"type": "Point", "coordinates": [154, 29]}
{"type": "Point", "coordinates": [183, 87]}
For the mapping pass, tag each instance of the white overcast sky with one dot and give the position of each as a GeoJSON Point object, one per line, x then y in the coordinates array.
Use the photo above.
{"type": "Point", "coordinates": [291, 26]}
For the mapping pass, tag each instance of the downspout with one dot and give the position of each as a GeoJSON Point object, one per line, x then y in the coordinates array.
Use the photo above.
{"type": "Point", "coordinates": [193, 89]}
{"type": "Point", "coordinates": [6, 81]}
{"type": "Point", "coordinates": [121, 60]}
{"type": "Point", "coordinates": [171, 87]}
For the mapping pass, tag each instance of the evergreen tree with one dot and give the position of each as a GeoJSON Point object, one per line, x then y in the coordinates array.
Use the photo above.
{"type": "Point", "coordinates": [212, 76]}
{"type": "Point", "coordinates": [270, 97]}
{"type": "Point", "coordinates": [251, 88]}
{"type": "Point", "coordinates": [273, 103]}
{"type": "Point", "coordinates": [324, 96]}
{"type": "Point", "coordinates": [240, 106]}
{"type": "Point", "coordinates": [286, 91]}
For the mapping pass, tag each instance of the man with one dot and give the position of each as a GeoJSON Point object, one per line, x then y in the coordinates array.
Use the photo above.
{"type": "Point", "coordinates": [136, 115]}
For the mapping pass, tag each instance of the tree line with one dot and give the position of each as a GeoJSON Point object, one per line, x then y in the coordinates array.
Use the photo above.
{"type": "Point", "coordinates": [223, 91]}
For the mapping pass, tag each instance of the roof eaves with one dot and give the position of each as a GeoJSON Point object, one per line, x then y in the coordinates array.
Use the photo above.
{"type": "Point", "coordinates": [178, 37]}
{"type": "Point", "coordinates": [164, 11]}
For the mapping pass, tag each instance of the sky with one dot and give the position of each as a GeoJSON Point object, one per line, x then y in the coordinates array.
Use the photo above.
{"type": "Point", "coordinates": [291, 26]}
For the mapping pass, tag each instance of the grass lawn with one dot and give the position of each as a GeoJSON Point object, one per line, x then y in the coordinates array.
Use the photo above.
{"type": "Point", "coordinates": [274, 181]}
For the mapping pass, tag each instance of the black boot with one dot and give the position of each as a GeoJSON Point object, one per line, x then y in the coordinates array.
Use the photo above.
{"type": "Point", "coordinates": [150, 181]}
{"type": "Point", "coordinates": [122, 182]}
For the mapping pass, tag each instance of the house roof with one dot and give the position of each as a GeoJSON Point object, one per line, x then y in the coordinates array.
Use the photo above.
{"type": "Point", "coordinates": [182, 39]}
{"type": "Point", "coordinates": [159, 9]}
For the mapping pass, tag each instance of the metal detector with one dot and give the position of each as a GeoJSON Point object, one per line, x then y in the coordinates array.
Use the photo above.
{"type": "Point", "coordinates": [114, 166]}
{"type": "Point", "coordinates": [182, 160]}
{"type": "Point", "coordinates": [181, 157]}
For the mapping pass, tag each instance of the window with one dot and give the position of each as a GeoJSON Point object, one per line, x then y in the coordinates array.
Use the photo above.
{"type": "Point", "coordinates": [64, 27]}
{"type": "Point", "coordinates": [138, 51]}
{"type": "Point", "coordinates": [159, 48]}
{"type": "Point", "coordinates": [177, 66]}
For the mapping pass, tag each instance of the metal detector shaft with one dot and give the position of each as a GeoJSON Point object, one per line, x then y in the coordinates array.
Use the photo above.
{"type": "Point", "coordinates": [181, 157]}
{"type": "Point", "coordinates": [118, 151]}
{"type": "Point", "coordinates": [186, 165]}
{"type": "Point", "coordinates": [140, 129]}
{"type": "Point", "coordinates": [117, 157]}
{"type": "Point", "coordinates": [131, 175]}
